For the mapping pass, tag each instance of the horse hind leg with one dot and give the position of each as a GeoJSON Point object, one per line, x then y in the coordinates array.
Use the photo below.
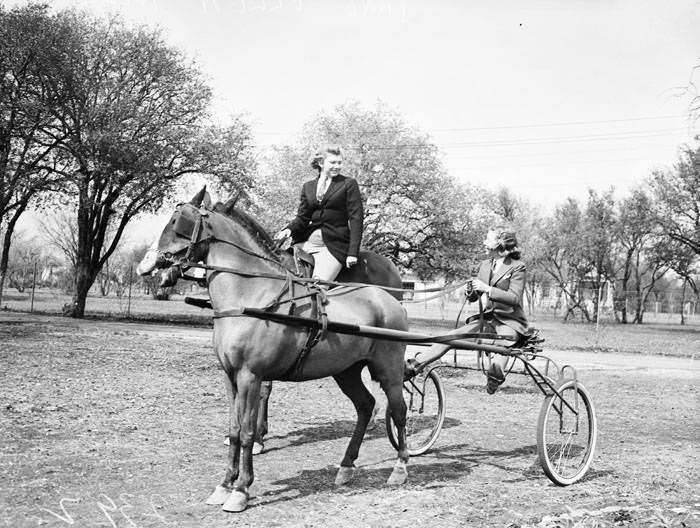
{"type": "Point", "coordinates": [375, 390]}
{"type": "Point", "coordinates": [261, 429]}
{"type": "Point", "coordinates": [350, 382]}
{"type": "Point", "coordinates": [393, 388]}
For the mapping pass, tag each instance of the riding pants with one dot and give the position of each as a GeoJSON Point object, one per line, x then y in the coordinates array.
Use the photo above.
{"type": "Point", "coordinates": [326, 267]}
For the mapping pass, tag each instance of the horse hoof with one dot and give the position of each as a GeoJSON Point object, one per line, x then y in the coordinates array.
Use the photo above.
{"type": "Point", "coordinates": [237, 502]}
{"type": "Point", "coordinates": [344, 475]}
{"type": "Point", "coordinates": [399, 475]}
{"type": "Point", "coordinates": [258, 448]}
{"type": "Point", "coordinates": [219, 496]}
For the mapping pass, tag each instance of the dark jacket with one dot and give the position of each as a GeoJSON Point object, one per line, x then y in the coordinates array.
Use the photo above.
{"type": "Point", "coordinates": [506, 298]}
{"type": "Point", "coordinates": [339, 215]}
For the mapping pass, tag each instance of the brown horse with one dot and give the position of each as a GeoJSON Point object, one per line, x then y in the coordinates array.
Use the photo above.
{"type": "Point", "coordinates": [243, 270]}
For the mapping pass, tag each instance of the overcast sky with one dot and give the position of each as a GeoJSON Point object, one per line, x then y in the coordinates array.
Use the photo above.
{"type": "Point", "coordinates": [547, 98]}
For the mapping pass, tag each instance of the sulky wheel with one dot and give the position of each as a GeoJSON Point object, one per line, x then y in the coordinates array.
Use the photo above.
{"type": "Point", "coordinates": [425, 414]}
{"type": "Point", "coordinates": [565, 444]}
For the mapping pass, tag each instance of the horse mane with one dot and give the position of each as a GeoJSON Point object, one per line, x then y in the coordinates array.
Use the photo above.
{"type": "Point", "coordinates": [251, 225]}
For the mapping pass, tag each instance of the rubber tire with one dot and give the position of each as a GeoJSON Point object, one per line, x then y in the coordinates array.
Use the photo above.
{"type": "Point", "coordinates": [587, 412]}
{"type": "Point", "coordinates": [434, 385]}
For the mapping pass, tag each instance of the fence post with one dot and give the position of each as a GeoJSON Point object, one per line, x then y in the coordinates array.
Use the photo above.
{"type": "Point", "coordinates": [597, 316]}
{"type": "Point", "coordinates": [128, 304]}
{"type": "Point", "coordinates": [31, 307]}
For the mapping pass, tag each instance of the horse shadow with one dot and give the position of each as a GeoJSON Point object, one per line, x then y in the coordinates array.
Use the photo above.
{"type": "Point", "coordinates": [449, 463]}
{"type": "Point", "coordinates": [336, 430]}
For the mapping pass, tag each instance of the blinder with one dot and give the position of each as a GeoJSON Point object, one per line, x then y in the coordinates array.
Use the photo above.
{"type": "Point", "coordinates": [184, 225]}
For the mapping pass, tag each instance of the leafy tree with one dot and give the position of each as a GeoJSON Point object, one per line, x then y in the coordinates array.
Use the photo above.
{"type": "Point", "coordinates": [30, 37]}
{"type": "Point", "coordinates": [636, 233]}
{"type": "Point", "coordinates": [134, 115]}
{"type": "Point", "coordinates": [598, 238]}
{"type": "Point", "coordinates": [524, 218]}
{"type": "Point", "coordinates": [677, 194]}
{"type": "Point", "coordinates": [686, 264]}
{"type": "Point", "coordinates": [563, 255]}
{"type": "Point", "coordinates": [656, 259]}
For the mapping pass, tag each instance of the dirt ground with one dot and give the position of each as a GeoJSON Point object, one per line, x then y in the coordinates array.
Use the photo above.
{"type": "Point", "coordinates": [122, 425]}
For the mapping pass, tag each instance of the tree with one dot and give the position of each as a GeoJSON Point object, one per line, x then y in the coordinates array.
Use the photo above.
{"type": "Point", "coordinates": [414, 213]}
{"type": "Point", "coordinates": [60, 233]}
{"type": "Point", "coordinates": [677, 194]}
{"type": "Point", "coordinates": [598, 243]}
{"type": "Point", "coordinates": [30, 37]}
{"type": "Point", "coordinates": [563, 255]}
{"type": "Point", "coordinates": [134, 114]}
{"type": "Point", "coordinates": [685, 263]}
{"type": "Point", "coordinates": [525, 220]}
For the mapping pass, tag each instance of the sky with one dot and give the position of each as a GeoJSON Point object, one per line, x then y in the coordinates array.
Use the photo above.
{"type": "Point", "coordinates": [545, 98]}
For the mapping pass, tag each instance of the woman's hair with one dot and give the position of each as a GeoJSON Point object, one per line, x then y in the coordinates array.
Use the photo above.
{"type": "Point", "coordinates": [507, 243]}
{"type": "Point", "coordinates": [320, 155]}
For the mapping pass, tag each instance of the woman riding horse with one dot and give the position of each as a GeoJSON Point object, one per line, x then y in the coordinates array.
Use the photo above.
{"type": "Point", "coordinates": [329, 221]}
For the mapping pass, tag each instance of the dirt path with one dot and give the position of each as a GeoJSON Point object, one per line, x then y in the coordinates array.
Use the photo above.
{"type": "Point", "coordinates": [121, 424]}
{"type": "Point", "coordinates": [684, 367]}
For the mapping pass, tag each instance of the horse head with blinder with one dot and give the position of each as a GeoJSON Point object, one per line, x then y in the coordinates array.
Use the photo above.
{"type": "Point", "coordinates": [181, 240]}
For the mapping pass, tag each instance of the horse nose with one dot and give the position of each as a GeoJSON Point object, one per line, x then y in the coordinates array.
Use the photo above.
{"type": "Point", "coordinates": [148, 263]}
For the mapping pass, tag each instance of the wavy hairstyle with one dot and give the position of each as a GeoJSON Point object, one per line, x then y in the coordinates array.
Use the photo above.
{"type": "Point", "coordinates": [322, 153]}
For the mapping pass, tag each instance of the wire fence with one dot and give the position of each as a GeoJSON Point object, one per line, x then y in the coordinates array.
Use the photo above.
{"type": "Point", "coordinates": [671, 305]}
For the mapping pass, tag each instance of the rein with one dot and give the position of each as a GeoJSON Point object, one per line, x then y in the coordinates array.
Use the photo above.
{"type": "Point", "coordinates": [186, 263]}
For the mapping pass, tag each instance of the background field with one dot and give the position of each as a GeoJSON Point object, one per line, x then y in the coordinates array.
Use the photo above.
{"type": "Point", "coordinates": [112, 423]}
{"type": "Point", "coordinates": [662, 335]}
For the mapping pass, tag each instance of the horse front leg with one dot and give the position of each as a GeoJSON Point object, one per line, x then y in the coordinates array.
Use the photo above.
{"type": "Point", "coordinates": [261, 429]}
{"type": "Point", "coordinates": [223, 491]}
{"type": "Point", "coordinates": [248, 400]}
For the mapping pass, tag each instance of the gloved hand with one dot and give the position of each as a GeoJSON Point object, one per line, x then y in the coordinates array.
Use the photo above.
{"type": "Point", "coordinates": [350, 261]}
{"type": "Point", "coordinates": [285, 233]}
{"type": "Point", "coordinates": [480, 285]}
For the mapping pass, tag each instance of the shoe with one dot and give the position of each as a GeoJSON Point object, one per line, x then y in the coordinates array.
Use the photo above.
{"type": "Point", "coordinates": [494, 378]}
{"type": "Point", "coordinates": [411, 369]}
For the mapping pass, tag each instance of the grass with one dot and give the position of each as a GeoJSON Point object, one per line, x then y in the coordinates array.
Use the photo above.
{"type": "Point", "coordinates": [660, 337]}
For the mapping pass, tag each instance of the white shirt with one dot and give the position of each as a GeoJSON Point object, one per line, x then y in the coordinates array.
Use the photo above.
{"type": "Point", "coordinates": [497, 264]}
{"type": "Point", "coordinates": [322, 186]}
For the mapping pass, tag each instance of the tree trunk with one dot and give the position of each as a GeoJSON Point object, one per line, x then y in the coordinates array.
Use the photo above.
{"type": "Point", "coordinates": [683, 301]}
{"type": "Point", "coordinates": [3, 262]}
{"type": "Point", "coordinates": [83, 281]}
{"type": "Point", "coordinates": [7, 241]}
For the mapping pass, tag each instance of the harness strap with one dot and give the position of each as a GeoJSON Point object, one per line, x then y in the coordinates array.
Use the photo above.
{"type": "Point", "coordinates": [316, 333]}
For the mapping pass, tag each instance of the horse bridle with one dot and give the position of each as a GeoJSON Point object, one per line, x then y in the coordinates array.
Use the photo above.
{"type": "Point", "coordinates": [192, 229]}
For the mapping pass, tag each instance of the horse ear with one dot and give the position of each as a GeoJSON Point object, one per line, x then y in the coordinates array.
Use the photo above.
{"type": "Point", "coordinates": [228, 206]}
{"type": "Point", "coordinates": [197, 200]}
{"type": "Point", "coordinates": [206, 202]}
